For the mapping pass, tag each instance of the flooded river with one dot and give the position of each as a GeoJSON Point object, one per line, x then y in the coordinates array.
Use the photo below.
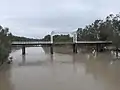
{"type": "Point", "coordinates": [41, 71]}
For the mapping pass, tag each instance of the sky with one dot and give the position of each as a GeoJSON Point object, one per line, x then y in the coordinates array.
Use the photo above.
{"type": "Point", "coordinates": [37, 18]}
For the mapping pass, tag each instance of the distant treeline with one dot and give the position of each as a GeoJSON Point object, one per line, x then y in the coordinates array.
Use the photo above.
{"type": "Point", "coordinates": [58, 38]}
{"type": "Point", "coordinates": [18, 38]}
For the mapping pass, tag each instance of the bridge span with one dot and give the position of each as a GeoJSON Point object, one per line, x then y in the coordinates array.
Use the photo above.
{"type": "Point", "coordinates": [51, 44]}
{"type": "Point", "coordinates": [59, 43]}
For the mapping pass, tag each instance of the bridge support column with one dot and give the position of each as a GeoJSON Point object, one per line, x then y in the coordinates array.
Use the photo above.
{"type": "Point", "coordinates": [97, 47]}
{"type": "Point", "coordinates": [75, 48]}
{"type": "Point", "coordinates": [51, 48]}
{"type": "Point", "coordinates": [23, 50]}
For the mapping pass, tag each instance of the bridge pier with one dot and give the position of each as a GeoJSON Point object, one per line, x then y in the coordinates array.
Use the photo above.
{"type": "Point", "coordinates": [97, 47]}
{"type": "Point", "coordinates": [75, 48]}
{"type": "Point", "coordinates": [23, 50]}
{"type": "Point", "coordinates": [51, 48]}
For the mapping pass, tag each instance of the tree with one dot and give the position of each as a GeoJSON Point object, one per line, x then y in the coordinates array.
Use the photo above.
{"type": "Point", "coordinates": [108, 29]}
{"type": "Point", "coordinates": [116, 32]}
{"type": "Point", "coordinates": [46, 38]}
{"type": "Point", "coordinates": [4, 43]}
{"type": "Point", "coordinates": [58, 38]}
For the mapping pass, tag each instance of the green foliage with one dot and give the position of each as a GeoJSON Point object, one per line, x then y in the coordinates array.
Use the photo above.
{"type": "Point", "coordinates": [17, 38]}
{"type": "Point", "coordinates": [62, 38]}
{"type": "Point", "coordinates": [4, 53]}
{"type": "Point", "coordinates": [4, 44]}
{"type": "Point", "coordinates": [46, 38]}
{"type": "Point", "coordinates": [58, 38]}
{"type": "Point", "coordinates": [108, 29]}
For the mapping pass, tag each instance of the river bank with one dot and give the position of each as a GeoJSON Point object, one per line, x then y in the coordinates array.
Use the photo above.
{"type": "Point", "coordinates": [13, 49]}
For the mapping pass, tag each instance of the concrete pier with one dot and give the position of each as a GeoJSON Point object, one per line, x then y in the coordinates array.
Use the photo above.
{"type": "Point", "coordinates": [23, 50]}
{"type": "Point", "coordinates": [97, 47]}
{"type": "Point", "coordinates": [74, 48]}
{"type": "Point", "coordinates": [51, 48]}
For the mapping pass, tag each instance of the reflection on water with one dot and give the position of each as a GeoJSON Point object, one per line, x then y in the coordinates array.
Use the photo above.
{"type": "Point", "coordinates": [41, 71]}
{"type": "Point", "coordinates": [23, 58]}
{"type": "Point", "coordinates": [5, 83]}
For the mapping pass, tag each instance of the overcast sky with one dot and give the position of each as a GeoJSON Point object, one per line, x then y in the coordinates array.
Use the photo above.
{"type": "Point", "coordinates": [36, 18]}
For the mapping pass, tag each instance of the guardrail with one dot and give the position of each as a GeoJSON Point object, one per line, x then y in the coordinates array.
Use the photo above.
{"type": "Point", "coordinates": [29, 42]}
{"type": "Point", "coordinates": [48, 42]}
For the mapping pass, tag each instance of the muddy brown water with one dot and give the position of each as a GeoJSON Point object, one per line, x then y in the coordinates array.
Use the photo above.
{"type": "Point", "coordinates": [42, 71]}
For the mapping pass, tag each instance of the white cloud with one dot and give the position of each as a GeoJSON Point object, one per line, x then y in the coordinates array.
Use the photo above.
{"type": "Point", "coordinates": [35, 18]}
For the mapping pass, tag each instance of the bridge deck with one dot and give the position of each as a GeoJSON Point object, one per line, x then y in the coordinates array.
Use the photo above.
{"type": "Point", "coordinates": [59, 43]}
{"type": "Point", "coordinates": [96, 42]}
{"type": "Point", "coordinates": [27, 42]}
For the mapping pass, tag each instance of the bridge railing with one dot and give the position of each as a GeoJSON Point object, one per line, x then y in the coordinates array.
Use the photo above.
{"type": "Point", "coordinates": [94, 42]}
{"type": "Point", "coordinates": [30, 42]}
{"type": "Point", "coordinates": [48, 42]}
